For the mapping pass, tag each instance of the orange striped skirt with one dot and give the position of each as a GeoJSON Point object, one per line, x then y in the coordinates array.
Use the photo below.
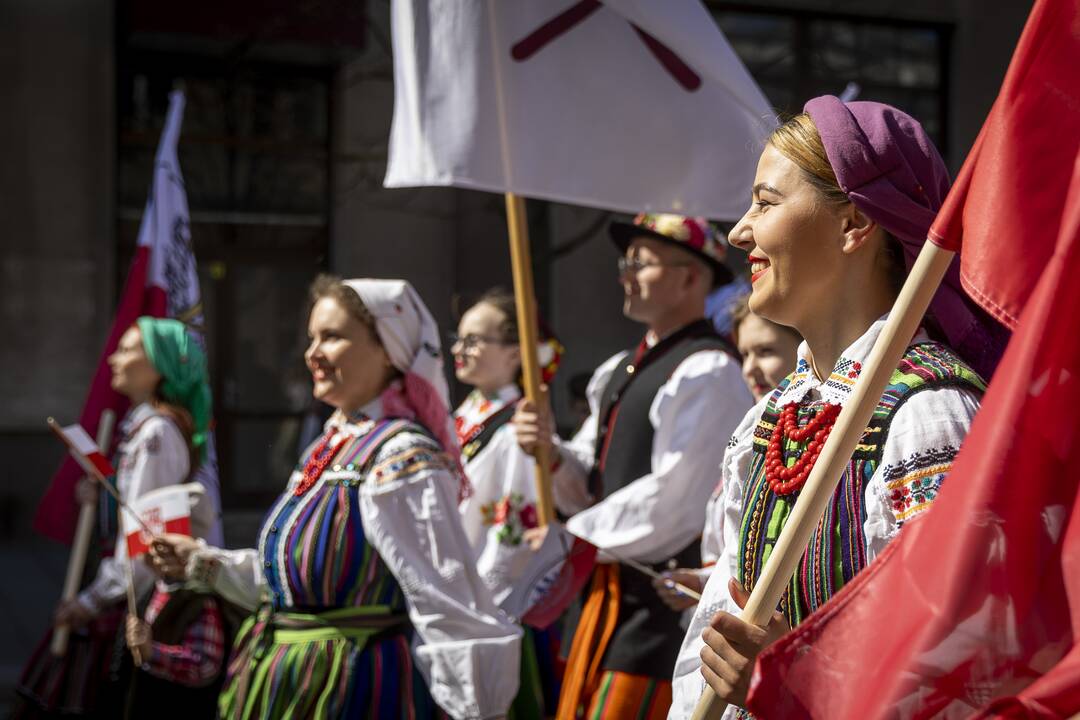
{"type": "Point", "coordinates": [622, 696]}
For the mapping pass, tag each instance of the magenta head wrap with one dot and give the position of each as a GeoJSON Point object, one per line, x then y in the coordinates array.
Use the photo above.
{"type": "Point", "coordinates": [410, 337]}
{"type": "Point", "coordinates": [888, 167]}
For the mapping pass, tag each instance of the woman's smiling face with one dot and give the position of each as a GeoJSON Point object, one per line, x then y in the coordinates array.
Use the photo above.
{"type": "Point", "coordinates": [794, 239]}
{"type": "Point", "coordinates": [483, 356]}
{"type": "Point", "coordinates": [348, 364]}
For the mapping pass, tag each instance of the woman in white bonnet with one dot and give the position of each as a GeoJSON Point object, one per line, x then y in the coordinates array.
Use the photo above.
{"type": "Point", "coordinates": [363, 554]}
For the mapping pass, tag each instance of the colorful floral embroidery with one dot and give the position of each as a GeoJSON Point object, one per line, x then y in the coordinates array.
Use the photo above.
{"type": "Point", "coordinates": [914, 483]}
{"type": "Point", "coordinates": [513, 516]}
{"type": "Point", "coordinates": [696, 232]}
{"type": "Point", "coordinates": [409, 463]}
{"type": "Point", "coordinates": [910, 499]}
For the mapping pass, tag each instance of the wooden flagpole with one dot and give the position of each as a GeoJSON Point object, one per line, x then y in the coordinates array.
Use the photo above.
{"type": "Point", "coordinates": [521, 266]}
{"type": "Point", "coordinates": [132, 604]}
{"type": "Point", "coordinates": [903, 322]}
{"type": "Point", "coordinates": [528, 339]}
{"type": "Point", "coordinates": [83, 530]}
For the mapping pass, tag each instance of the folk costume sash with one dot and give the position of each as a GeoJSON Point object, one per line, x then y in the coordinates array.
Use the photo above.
{"type": "Point", "coordinates": [837, 550]}
{"type": "Point", "coordinates": [482, 433]}
{"type": "Point", "coordinates": [595, 628]}
{"type": "Point", "coordinates": [285, 634]}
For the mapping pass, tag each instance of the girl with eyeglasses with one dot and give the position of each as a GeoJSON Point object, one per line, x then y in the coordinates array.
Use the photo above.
{"type": "Point", "coordinates": [502, 506]}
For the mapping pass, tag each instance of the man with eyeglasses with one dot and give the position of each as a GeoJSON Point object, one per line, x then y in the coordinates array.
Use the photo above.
{"type": "Point", "coordinates": [636, 478]}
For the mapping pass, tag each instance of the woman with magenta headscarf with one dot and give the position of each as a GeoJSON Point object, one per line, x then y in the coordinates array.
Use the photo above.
{"type": "Point", "coordinates": [162, 371]}
{"type": "Point", "coordinates": [841, 204]}
{"type": "Point", "coordinates": [363, 554]}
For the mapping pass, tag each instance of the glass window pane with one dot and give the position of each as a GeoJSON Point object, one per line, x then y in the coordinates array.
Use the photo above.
{"type": "Point", "coordinates": [268, 340]}
{"type": "Point", "coordinates": [796, 57]}
{"type": "Point", "coordinates": [264, 453]}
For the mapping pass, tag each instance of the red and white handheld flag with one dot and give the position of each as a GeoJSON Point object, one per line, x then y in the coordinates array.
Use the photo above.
{"type": "Point", "coordinates": [620, 104]}
{"type": "Point", "coordinates": [162, 282]}
{"type": "Point", "coordinates": [165, 510]}
{"type": "Point", "coordinates": [85, 451]}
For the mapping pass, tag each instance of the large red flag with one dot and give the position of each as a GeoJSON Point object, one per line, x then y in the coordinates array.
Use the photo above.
{"type": "Point", "coordinates": [162, 282]}
{"type": "Point", "coordinates": [977, 604]}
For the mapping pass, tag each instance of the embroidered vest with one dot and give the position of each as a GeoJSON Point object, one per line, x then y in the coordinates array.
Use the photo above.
{"type": "Point", "coordinates": [313, 547]}
{"type": "Point", "coordinates": [837, 549]}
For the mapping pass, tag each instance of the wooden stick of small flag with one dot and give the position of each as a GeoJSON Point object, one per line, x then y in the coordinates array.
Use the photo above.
{"type": "Point", "coordinates": [646, 570]}
{"type": "Point", "coordinates": [83, 530]}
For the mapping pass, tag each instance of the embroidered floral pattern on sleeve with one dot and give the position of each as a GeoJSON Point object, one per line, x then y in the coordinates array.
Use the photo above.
{"type": "Point", "coordinates": [512, 515]}
{"type": "Point", "coordinates": [410, 462]}
{"type": "Point", "coordinates": [915, 482]}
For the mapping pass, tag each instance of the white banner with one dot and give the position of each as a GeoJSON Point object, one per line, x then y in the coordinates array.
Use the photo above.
{"type": "Point", "coordinates": [631, 105]}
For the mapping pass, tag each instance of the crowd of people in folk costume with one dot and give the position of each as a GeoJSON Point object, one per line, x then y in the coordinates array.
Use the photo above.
{"type": "Point", "coordinates": [373, 588]}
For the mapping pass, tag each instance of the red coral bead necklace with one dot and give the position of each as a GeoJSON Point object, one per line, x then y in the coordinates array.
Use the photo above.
{"type": "Point", "coordinates": [786, 480]}
{"type": "Point", "coordinates": [317, 462]}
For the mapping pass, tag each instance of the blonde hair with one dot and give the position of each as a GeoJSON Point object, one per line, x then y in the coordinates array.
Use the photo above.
{"type": "Point", "coordinates": [799, 141]}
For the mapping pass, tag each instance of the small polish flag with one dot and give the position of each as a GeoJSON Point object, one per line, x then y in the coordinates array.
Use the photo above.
{"type": "Point", "coordinates": [83, 447]}
{"type": "Point", "coordinates": [165, 510]}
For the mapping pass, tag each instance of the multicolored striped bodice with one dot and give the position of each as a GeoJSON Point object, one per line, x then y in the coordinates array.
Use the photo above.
{"type": "Point", "coordinates": [837, 549]}
{"type": "Point", "coordinates": [314, 553]}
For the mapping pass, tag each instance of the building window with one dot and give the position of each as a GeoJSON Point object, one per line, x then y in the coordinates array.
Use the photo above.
{"type": "Point", "coordinates": [795, 56]}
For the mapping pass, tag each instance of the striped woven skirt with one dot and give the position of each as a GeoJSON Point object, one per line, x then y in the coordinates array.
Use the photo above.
{"type": "Point", "coordinates": [83, 681]}
{"type": "Point", "coordinates": [331, 665]}
{"type": "Point", "coordinates": [622, 696]}
{"type": "Point", "coordinates": [540, 675]}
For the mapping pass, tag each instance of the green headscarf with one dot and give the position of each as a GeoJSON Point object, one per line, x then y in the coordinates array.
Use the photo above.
{"type": "Point", "coordinates": [180, 361]}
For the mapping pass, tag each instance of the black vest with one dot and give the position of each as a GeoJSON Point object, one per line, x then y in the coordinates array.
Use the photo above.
{"type": "Point", "coordinates": [647, 634]}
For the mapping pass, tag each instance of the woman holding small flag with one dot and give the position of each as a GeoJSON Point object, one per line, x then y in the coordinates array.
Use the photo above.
{"type": "Point", "coordinates": [502, 505]}
{"type": "Point", "coordinates": [162, 370]}
{"type": "Point", "coordinates": [364, 554]}
{"type": "Point", "coordinates": [843, 199]}
{"type": "Point", "coordinates": [180, 639]}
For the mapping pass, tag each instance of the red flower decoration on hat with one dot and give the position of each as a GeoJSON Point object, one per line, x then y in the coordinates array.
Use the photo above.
{"type": "Point", "coordinates": [694, 232]}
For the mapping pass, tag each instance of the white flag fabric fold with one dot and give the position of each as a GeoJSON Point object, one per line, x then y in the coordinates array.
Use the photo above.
{"type": "Point", "coordinates": [631, 105]}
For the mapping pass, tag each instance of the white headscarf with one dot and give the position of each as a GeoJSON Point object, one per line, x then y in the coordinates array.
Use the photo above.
{"type": "Point", "coordinates": [411, 339]}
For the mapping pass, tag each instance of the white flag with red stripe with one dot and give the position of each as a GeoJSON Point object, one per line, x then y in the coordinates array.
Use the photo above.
{"type": "Point", "coordinates": [165, 510]}
{"type": "Point", "coordinates": [85, 450]}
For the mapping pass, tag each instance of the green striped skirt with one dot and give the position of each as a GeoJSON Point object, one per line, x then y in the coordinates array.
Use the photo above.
{"type": "Point", "coordinates": [344, 663]}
